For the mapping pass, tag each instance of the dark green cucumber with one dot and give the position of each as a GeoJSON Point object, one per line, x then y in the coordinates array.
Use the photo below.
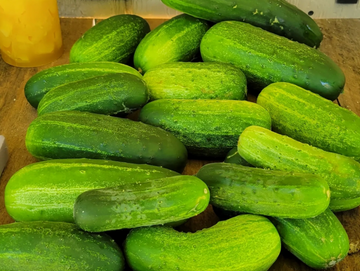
{"type": "Point", "coordinates": [266, 149]}
{"type": "Point", "coordinates": [46, 191]}
{"type": "Point", "coordinates": [309, 118]}
{"type": "Point", "coordinates": [319, 242]}
{"type": "Point", "coordinates": [74, 134]}
{"type": "Point", "coordinates": [208, 128]}
{"type": "Point", "coordinates": [113, 39]}
{"type": "Point", "coordinates": [42, 82]}
{"type": "Point", "coordinates": [233, 157]}
{"type": "Point", "coordinates": [108, 94]}
{"type": "Point", "coordinates": [202, 80]}
{"type": "Point", "coordinates": [140, 204]}
{"type": "Point", "coordinates": [56, 246]}
{"type": "Point", "coordinates": [175, 40]}
{"type": "Point", "coordinates": [266, 58]}
{"type": "Point", "coordinates": [245, 242]}
{"type": "Point", "coordinates": [277, 16]}
{"type": "Point", "coordinates": [265, 192]}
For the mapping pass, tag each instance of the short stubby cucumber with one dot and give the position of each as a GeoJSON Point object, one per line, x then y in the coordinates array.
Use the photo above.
{"type": "Point", "coordinates": [200, 80]}
{"type": "Point", "coordinates": [265, 192]}
{"type": "Point", "coordinates": [108, 94]}
{"type": "Point", "coordinates": [233, 157]}
{"type": "Point", "coordinates": [47, 190]}
{"type": "Point", "coordinates": [74, 134]}
{"type": "Point", "coordinates": [266, 58]}
{"type": "Point", "coordinates": [264, 148]}
{"type": "Point", "coordinates": [309, 118]}
{"type": "Point", "coordinates": [140, 204]}
{"type": "Point", "coordinates": [175, 40]}
{"type": "Point", "coordinates": [113, 39]}
{"type": "Point", "coordinates": [208, 128]}
{"type": "Point", "coordinates": [42, 82]}
{"type": "Point", "coordinates": [245, 242]}
{"type": "Point", "coordinates": [56, 246]}
{"type": "Point", "coordinates": [319, 242]}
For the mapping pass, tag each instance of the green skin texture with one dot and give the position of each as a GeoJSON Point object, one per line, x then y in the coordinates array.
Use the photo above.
{"type": "Point", "coordinates": [208, 128]}
{"type": "Point", "coordinates": [175, 40]}
{"type": "Point", "coordinates": [47, 190]}
{"type": "Point", "coordinates": [266, 58]}
{"type": "Point", "coordinates": [266, 149]}
{"type": "Point", "coordinates": [265, 192]}
{"type": "Point", "coordinates": [56, 246]}
{"type": "Point", "coordinates": [309, 118]}
{"type": "Point", "coordinates": [140, 204]}
{"type": "Point", "coordinates": [245, 242]}
{"type": "Point", "coordinates": [108, 94]}
{"type": "Point", "coordinates": [42, 82]}
{"type": "Point", "coordinates": [276, 16]}
{"type": "Point", "coordinates": [319, 242]}
{"type": "Point", "coordinates": [201, 80]}
{"type": "Point", "coordinates": [114, 39]}
{"type": "Point", "coordinates": [74, 134]}
{"type": "Point", "coordinates": [233, 157]}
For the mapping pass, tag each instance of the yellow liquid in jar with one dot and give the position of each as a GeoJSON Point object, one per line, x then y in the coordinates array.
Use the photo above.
{"type": "Point", "coordinates": [30, 33]}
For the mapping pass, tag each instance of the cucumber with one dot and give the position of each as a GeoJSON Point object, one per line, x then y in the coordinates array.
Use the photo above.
{"type": "Point", "coordinates": [319, 242]}
{"type": "Point", "coordinates": [266, 149]}
{"type": "Point", "coordinates": [47, 190]}
{"type": "Point", "coordinates": [208, 128]}
{"type": "Point", "coordinates": [277, 16]}
{"type": "Point", "coordinates": [56, 246]}
{"type": "Point", "coordinates": [189, 80]}
{"type": "Point", "coordinates": [73, 134]}
{"type": "Point", "coordinates": [266, 58]}
{"type": "Point", "coordinates": [309, 118]}
{"type": "Point", "coordinates": [42, 82]}
{"type": "Point", "coordinates": [233, 157]}
{"type": "Point", "coordinates": [265, 192]}
{"type": "Point", "coordinates": [245, 242]}
{"type": "Point", "coordinates": [108, 94]}
{"type": "Point", "coordinates": [113, 39]}
{"type": "Point", "coordinates": [141, 204]}
{"type": "Point", "coordinates": [175, 40]}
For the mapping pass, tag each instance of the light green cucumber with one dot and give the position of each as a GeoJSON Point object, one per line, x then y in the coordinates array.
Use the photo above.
{"type": "Point", "coordinates": [233, 157]}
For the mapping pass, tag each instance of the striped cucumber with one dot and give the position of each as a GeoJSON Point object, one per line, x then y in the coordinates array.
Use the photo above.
{"type": "Point", "coordinates": [264, 148]}
{"type": "Point", "coordinates": [141, 204]}
{"type": "Point", "coordinates": [309, 118]}
{"type": "Point", "coordinates": [73, 134]}
{"type": "Point", "coordinates": [233, 157]}
{"type": "Point", "coordinates": [245, 242]}
{"type": "Point", "coordinates": [208, 128]}
{"type": "Point", "coordinates": [202, 80]}
{"type": "Point", "coordinates": [108, 94]}
{"type": "Point", "coordinates": [46, 191]}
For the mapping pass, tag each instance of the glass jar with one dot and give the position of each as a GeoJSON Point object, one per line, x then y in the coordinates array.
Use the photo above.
{"type": "Point", "coordinates": [30, 33]}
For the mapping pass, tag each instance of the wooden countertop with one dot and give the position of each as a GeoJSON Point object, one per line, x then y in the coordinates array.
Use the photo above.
{"type": "Point", "coordinates": [341, 43]}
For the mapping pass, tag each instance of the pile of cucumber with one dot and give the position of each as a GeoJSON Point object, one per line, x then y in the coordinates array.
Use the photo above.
{"type": "Point", "coordinates": [290, 159]}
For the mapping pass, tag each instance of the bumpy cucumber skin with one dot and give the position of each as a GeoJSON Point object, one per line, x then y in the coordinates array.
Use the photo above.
{"type": "Point", "coordinates": [74, 134]}
{"type": "Point", "coordinates": [308, 118]}
{"type": "Point", "coordinates": [266, 149]}
{"type": "Point", "coordinates": [320, 242]}
{"type": "Point", "coordinates": [108, 94]}
{"type": "Point", "coordinates": [113, 39]}
{"type": "Point", "coordinates": [248, 242]}
{"type": "Point", "coordinates": [265, 192]}
{"type": "Point", "coordinates": [47, 190]}
{"type": "Point", "coordinates": [56, 246]}
{"type": "Point", "coordinates": [266, 58]}
{"type": "Point", "coordinates": [233, 157]}
{"type": "Point", "coordinates": [42, 82]}
{"type": "Point", "coordinates": [277, 16]}
{"type": "Point", "coordinates": [140, 204]}
{"type": "Point", "coordinates": [175, 40]}
{"type": "Point", "coordinates": [202, 80]}
{"type": "Point", "coordinates": [208, 128]}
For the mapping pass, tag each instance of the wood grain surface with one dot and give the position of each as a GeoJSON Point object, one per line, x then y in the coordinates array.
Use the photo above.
{"type": "Point", "coordinates": [341, 43]}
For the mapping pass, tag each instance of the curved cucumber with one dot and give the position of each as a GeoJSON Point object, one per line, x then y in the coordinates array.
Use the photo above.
{"type": "Point", "coordinates": [233, 157]}
{"type": "Point", "coordinates": [248, 242]}
{"type": "Point", "coordinates": [141, 204]}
